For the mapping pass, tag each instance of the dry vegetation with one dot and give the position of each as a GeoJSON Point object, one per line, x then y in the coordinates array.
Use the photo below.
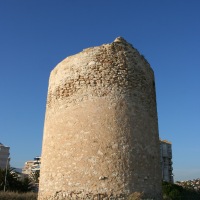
{"type": "Point", "coordinates": [18, 196]}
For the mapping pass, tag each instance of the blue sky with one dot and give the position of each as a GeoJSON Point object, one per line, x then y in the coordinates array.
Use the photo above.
{"type": "Point", "coordinates": [36, 35]}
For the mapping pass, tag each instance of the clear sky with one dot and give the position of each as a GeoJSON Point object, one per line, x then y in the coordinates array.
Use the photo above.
{"type": "Point", "coordinates": [35, 35]}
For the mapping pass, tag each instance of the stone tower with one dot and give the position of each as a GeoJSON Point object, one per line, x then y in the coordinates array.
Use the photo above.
{"type": "Point", "coordinates": [101, 130]}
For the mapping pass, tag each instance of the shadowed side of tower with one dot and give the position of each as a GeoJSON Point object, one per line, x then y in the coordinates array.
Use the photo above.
{"type": "Point", "coordinates": [101, 129]}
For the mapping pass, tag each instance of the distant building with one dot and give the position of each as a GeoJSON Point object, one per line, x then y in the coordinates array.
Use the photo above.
{"type": "Point", "coordinates": [27, 167]}
{"type": "Point", "coordinates": [166, 161]}
{"type": "Point", "coordinates": [4, 156]}
{"type": "Point", "coordinates": [32, 170]}
{"type": "Point", "coordinates": [32, 166]}
{"type": "Point", "coordinates": [36, 164]}
{"type": "Point", "coordinates": [190, 184]}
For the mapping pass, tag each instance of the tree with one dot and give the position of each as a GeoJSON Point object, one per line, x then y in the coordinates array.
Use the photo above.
{"type": "Point", "coordinates": [13, 182]}
{"type": "Point", "coordinates": [34, 178]}
{"type": "Point", "coordinates": [26, 185]}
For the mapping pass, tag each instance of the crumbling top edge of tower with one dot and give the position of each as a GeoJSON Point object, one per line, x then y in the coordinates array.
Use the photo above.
{"type": "Point", "coordinates": [117, 40]}
{"type": "Point", "coordinates": [120, 39]}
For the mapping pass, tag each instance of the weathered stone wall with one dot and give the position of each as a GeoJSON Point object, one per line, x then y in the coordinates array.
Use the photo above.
{"type": "Point", "coordinates": [101, 131]}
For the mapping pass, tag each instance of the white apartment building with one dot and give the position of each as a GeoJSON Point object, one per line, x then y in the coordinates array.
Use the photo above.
{"type": "Point", "coordinates": [166, 160]}
{"type": "Point", "coordinates": [32, 166]}
{"type": "Point", "coordinates": [27, 167]}
{"type": "Point", "coordinates": [4, 156]}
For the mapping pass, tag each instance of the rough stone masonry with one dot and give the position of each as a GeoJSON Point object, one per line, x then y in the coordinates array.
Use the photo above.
{"type": "Point", "coordinates": [101, 129]}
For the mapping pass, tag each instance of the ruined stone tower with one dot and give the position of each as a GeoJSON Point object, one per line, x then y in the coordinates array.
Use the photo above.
{"type": "Point", "coordinates": [101, 131]}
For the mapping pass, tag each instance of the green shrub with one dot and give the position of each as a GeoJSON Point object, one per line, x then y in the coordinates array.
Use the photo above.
{"type": "Point", "coordinates": [176, 192]}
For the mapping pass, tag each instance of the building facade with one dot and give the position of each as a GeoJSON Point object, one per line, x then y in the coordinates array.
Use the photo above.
{"type": "Point", "coordinates": [4, 156]}
{"type": "Point", "coordinates": [166, 161]}
{"type": "Point", "coordinates": [32, 166]}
